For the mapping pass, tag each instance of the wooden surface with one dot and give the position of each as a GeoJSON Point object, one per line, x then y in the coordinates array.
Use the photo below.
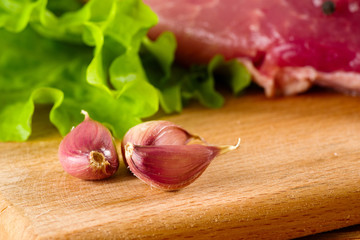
{"type": "Point", "coordinates": [296, 173]}
{"type": "Point", "coordinates": [348, 233]}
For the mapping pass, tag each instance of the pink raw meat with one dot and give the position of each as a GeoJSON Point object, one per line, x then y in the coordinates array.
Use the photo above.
{"type": "Point", "coordinates": [288, 45]}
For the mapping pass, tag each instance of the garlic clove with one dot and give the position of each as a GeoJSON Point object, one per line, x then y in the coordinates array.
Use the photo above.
{"type": "Point", "coordinates": [157, 132]}
{"type": "Point", "coordinates": [158, 153]}
{"type": "Point", "coordinates": [171, 167]}
{"type": "Point", "coordinates": [88, 151]}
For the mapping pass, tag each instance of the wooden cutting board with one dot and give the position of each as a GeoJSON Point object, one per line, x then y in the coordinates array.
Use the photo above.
{"type": "Point", "coordinates": [296, 173]}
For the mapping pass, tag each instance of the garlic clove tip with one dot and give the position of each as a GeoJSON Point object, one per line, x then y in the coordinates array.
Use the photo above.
{"type": "Point", "coordinates": [85, 113]}
{"type": "Point", "coordinates": [227, 148]}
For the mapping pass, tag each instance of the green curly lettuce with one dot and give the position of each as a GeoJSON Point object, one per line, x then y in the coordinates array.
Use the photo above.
{"type": "Point", "coordinates": [74, 61]}
{"type": "Point", "coordinates": [178, 85]}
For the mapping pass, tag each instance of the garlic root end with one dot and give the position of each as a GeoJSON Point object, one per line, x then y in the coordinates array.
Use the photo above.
{"type": "Point", "coordinates": [129, 148]}
{"type": "Point", "coordinates": [98, 161]}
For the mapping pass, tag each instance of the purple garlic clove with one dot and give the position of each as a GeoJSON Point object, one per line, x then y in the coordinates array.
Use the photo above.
{"type": "Point", "coordinates": [88, 152]}
{"type": "Point", "coordinates": [156, 152]}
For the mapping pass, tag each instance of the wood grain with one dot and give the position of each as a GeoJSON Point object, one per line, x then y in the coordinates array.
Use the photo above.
{"type": "Point", "coordinates": [296, 173]}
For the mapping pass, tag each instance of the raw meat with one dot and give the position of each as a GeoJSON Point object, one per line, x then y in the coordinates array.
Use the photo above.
{"type": "Point", "coordinates": [288, 45]}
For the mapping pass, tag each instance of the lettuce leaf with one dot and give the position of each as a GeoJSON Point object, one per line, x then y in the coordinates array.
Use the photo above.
{"type": "Point", "coordinates": [73, 61]}
{"type": "Point", "coordinates": [95, 57]}
{"type": "Point", "coordinates": [177, 85]}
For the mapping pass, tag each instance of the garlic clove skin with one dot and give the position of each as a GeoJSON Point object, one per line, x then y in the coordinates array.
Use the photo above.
{"type": "Point", "coordinates": [158, 153]}
{"type": "Point", "coordinates": [171, 167]}
{"type": "Point", "coordinates": [157, 132]}
{"type": "Point", "coordinates": [88, 152]}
